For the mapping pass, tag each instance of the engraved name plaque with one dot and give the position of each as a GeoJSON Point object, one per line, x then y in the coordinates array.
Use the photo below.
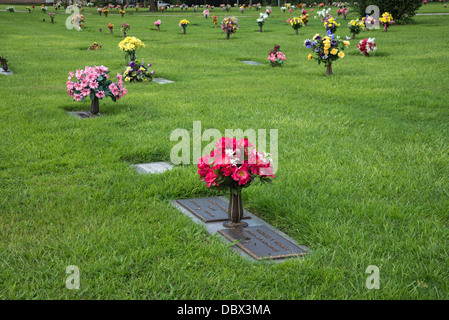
{"type": "Point", "coordinates": [260, 242]}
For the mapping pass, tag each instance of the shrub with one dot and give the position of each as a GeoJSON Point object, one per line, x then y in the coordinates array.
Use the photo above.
{"type": "Point", "coordinates": [402, 10]}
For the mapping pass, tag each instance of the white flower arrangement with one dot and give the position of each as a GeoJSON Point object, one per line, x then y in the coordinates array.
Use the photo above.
{"type": "Point", "coordinates": [262, 18]}
{"type": "Point", "coordinates": [323, 13]}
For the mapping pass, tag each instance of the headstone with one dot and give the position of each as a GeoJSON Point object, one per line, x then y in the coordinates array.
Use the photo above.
{"type": "Point", "coordinates": [162, 81]}
{"type": "Point", "coordinates": [153, 167]}
{"type": "Point", "coordinates": [253, 63]}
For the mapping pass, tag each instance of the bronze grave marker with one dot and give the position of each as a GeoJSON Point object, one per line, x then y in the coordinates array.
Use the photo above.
{"type": "Point", "coordinates": [260, 242]}
{"type": "Point", "coordinates": [211, 209]}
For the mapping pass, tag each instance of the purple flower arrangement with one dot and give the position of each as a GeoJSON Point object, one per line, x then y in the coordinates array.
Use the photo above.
{"type": "Point", "coordinates": [138, 72]}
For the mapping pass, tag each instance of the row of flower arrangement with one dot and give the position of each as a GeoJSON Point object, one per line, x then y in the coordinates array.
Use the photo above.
{"type": "Point", "coordinates": [94, 82]}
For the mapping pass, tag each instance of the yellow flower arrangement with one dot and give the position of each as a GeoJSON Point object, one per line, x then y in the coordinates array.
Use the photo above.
{"type": "Point", "coordinates": [183, 24]}
{"type": "Point", "coordinates": [331, 24]}
{"type": "Point", "coordinates": [129, 45]}
{"type": "Point", "coordinates": [296, 23]}
{"type": "Point", "coordinates": [386, 18]}
{"type": "Point", "coordinates": [327, 49]}
{"type": "Point", "coordinates": [355, 26]}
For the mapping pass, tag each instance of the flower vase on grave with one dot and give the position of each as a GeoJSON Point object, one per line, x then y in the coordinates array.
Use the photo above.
{"type": "Point", "coordinates": [329, 69]}
{"type": "Point", "coordinates": [385, 27]}
{"type": "Point", "coordinates": [235, 209]}
{"type": "Point", "coordinates": [95, 106]}
{"type": "Point", "coordinates": [4, 64]}
{"type": "Point", "coordinates": [184, 30]}
{"type": "Point", "coordinates": [353, 35]}
{"type": "Point", "coordinates": [158, 28]}
{"type": "Point", "coordinates": [296, 31]}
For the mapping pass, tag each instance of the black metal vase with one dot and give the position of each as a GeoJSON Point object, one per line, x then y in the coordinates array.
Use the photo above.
{"type": "Point", "coordinates": [95, 106]}
{"type": "Point", "coordinates": [4, 65]}
{"type": "Point", "coordinates": [329, 69]}
{"type": "Point", "coordinates": [235, 209]}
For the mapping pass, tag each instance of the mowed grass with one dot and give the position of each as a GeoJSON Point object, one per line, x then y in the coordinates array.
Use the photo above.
{"type": "Point", "coordinates": [434, 7]}
{"type": "Point", "coordinates": [363, 161]}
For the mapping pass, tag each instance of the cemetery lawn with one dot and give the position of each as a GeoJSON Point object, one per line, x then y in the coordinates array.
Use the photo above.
{"type": "Point", "coordinates": [363, 176]}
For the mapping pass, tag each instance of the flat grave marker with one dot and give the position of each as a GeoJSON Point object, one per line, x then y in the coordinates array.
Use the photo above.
{"type": "Point", "coordinates": [252, 63]}
{"type": "Point", "coordinates": [261, 242]}
{"type": "Point", "coordinates": [258, 241]}
{"type": "Point", "coordinates": [153, 167]}
{"type": "Point", "coordinates": [6, 73]}
{"type": "Point", "coordinates": [212, 209]}
{"type": "Point", "coordinates": [162, 80]}
{"type": "Point", "coordinates": [84, 114]}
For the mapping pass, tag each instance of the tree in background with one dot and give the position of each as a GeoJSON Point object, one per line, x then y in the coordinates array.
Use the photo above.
{"type": "Point", "coordinates": [402, 10]}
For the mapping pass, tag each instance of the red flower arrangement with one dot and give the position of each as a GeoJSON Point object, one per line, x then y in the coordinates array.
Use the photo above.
{"type": "Point", "coordinates": [232, 165]}
{"type": "Point", "coordinates": [366, 46]}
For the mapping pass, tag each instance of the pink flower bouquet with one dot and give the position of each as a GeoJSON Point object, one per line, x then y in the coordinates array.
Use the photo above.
{"type": "Point", "coordinates": [93, 82]}
{"type": "Point", "coordinates": [157, 24]}
{"type": "Point", "coordinates": [276, 57]}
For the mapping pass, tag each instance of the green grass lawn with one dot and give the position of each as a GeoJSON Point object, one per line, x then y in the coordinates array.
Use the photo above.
{"type": "Point", "coordinates": [434, 7]}
{"type": "Point", "coordinates": [363, 174]}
